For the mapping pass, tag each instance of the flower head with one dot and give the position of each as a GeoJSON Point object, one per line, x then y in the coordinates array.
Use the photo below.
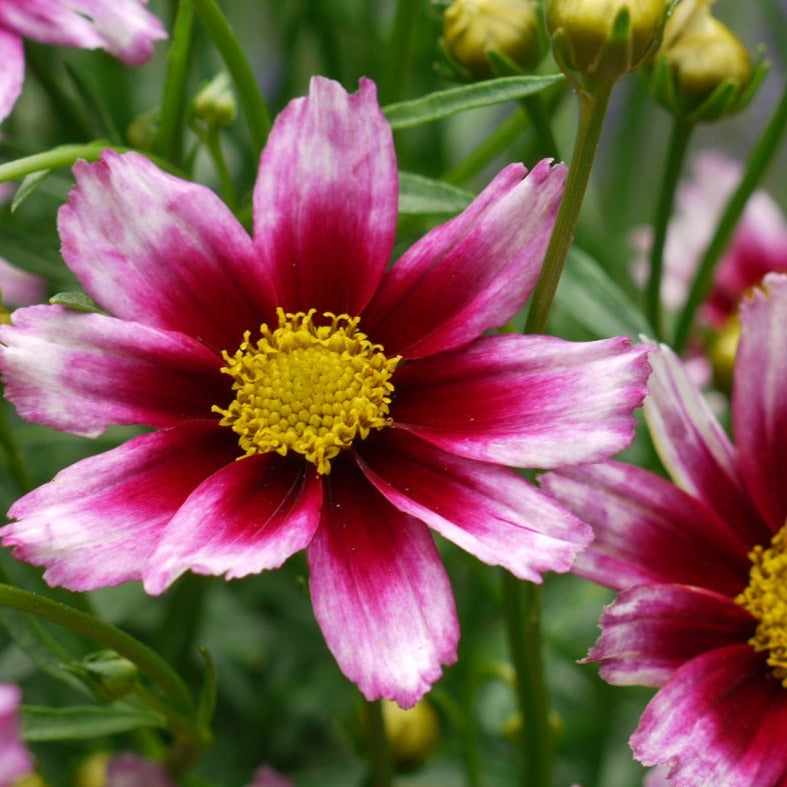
{"type": "Point", "coordinates": [702, 612]}
{"type": "Point", "coordinates": [15, 759]}
{"type": "Point", "coordinates": [303, 395]}
{"type": "Point", "coordinates": [123, 27]}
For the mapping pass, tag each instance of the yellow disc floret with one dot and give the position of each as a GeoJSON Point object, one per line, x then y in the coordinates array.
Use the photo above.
{"type": "Point", "coordinates": [766, 598]}
{"type": "Point", "coordinates": [309, 386]}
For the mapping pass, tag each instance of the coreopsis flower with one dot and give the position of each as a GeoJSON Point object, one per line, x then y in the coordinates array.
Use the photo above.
{"type": "Point", "coordinates": [123, 27]}
{"type": "Point", "coordinates": [15, 759]}
{"type": "Point", "coordinates": [701, 565]}
{"type": "Point", "coordinates": [304, 397]}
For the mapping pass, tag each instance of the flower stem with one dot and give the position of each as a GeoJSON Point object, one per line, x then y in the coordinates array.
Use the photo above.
{"type": "Point", "coordinates": [397, 57]}
{"type": "Point", "coordinates": [522, 613]}
{"type": "Point", "coordinates": [249, 93]}
{"type": "Point", "coordinates": [679, 140]}
{"type": "Point", "coordinates": [592, 110]}
{"type": "Point", "coordinates": [760, 157]}
{"type": "Point", "coordinates": [169, 137]}
{"type": "Point", "coordinates": [379, 753]}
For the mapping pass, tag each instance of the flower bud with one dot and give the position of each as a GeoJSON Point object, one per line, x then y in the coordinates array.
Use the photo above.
{"type": "Point", "coordinates": [215, 104]}
{"type": "Point", "coordinates": [605, 38]}
{"type": "Point", "coordinates": [703, 70]}
{"type": "Point", "coordinates": [472, 28]}
{"type": "Point", "coordinates": [722, 351]}
{"type": "Point", "coordinates": [108, 674]}
{"type": "Point", "coordinates": [412, 734]}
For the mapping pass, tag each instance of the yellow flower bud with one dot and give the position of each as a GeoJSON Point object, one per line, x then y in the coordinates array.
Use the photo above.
{"type": "Point", "coordinates": [92, 771]}
{"type": "Point", "coordinates": [215, 104]}
{"type": "Point", "coordinates": [471, 28]}
{"type": "Point", "coordinates": [412, 734]}
{"type": "Point", "coordinates": [722, 351]}
{"type": "Point", "coordinates": [605, 38]}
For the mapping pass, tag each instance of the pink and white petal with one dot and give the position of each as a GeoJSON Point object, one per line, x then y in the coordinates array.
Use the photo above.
{"type": "Point", "coordinates": [81, 372]}
{"type": "Point", "coordinates": [15, 759]}
{"type": "Point", "coordinates": [380, 593]}
{"type": "Point", "coordinates": [249, 516]}
{"type": "Point", "coordinates": [490, 511]}
{"type": "Point", "coordinates": [472, 273]}
{"type": "Point", "coordinates": [155, 249]}
{"type": "Point", "coordinates": [525, 401]}
{"type": "Point", "coordinates": [325, 201]}
{"type": "Point", "coordinates": [648, 531]}
{"type": "Point", "coordinates": [721, 720]}
{"type": "Point", "coordinates": [97, 522]}
{"type": "Point", "coordinates": [123, 27]}
{"type": "Point", "coordinates": [18, 287]}
{"type": "Point", "coordinates": [694, 447]}
{"type": "Point", "coordinates": [760, 398]}
{"type": "Point", "coordinates": [650, 631]}
{"type": "Point", "coordinates": [12, 74]}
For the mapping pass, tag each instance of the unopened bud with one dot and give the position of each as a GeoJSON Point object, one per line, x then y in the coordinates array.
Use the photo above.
{"type": "Point", "coordinates": [215, 104]}
{"type": "Point", "coordinates": [108, 674]}
{"type": "Point", "coordinates": [412, 734]}
{"type": "Point", "coordinates": [473, 28]}
{"type": "Point", "coordinates": [605, 38]}
{"type": "Point", "coordinates": [723, 350]}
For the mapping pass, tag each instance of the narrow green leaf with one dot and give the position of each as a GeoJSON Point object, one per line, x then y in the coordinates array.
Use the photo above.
{"type": "Point", "coordinates": [459, 99]}
{"type": "Point", "coordinates": [83, 721]}
{"type": "Point", "coordinates": [28, 186]}
{"type": "Point", "coordinates": [420, 195]}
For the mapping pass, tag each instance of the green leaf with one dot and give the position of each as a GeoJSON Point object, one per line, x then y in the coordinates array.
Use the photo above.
{"type": "Point", "coordinates": [78, 301]}
{"type": "Point", "coordinates": [83, 721]}
{"type": "Point", "coordinates": [592, 300]}
{"type": "Point", "coordinates": [28, 186]}
{"type": "Point", "coordinates": [459, 99]}
{"type": "Point", "coordinates": [420, 195]}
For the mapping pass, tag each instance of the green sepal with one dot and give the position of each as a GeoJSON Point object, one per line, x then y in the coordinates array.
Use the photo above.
{"type": "Point", "coordinates": [77, 301]}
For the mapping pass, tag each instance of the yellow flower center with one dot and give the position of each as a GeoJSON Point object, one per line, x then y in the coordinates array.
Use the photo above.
{"type": "Point", "coordinates": [766, 598]}
{"type": "Point", "coordinates": [308, 387]}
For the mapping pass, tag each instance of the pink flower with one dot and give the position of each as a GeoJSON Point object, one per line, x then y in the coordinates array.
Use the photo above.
{"type": "Point", "coordinates": [18, 287]}
{"type": "Point", "coordinates": [265, 776]}
{"type": "Point", "coordinates": [759, 244]}
{"type": "Point", "coordinates": [131, 770]}
{"type": "Point", "coordinates": [701, 566]}
{"type": "Point", "coordinates": [15, 759]}
{"type": "Point", "coordinates": [123, 27]}
{"type": "Point", "coordinates": [369, 405]}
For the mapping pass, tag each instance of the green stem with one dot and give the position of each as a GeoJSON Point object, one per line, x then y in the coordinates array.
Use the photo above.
{"type": "Point", "coordinates": [109, 636]}
{"type": "Point", "coordinates": [15, 462]}
{"type": "Point", "coordinates": [249, 93]}
{"type": "Point", "coordinates": [679, 140]}
{"type": "Point", "coordinates": [380, 754]}
{"type": "Point", "coordinates": [169, 137]}
{"type": "Point", "coordinates": [399, 51]}
{"type": "Point", "coordinates": [592, 110]}
{"type": "Point", "coordinates": [213, 144]}
{"type": "Point", "coordinates": [759, 159]}
{"type": "Point", "coordinates": [522, 614]}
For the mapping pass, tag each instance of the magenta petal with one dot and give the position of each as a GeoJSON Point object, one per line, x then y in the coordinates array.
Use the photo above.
{"type": "Point", "coordinates": [760, 398]}
{"type": "Point", "coordinates": [647, 530]}
{"type": "Point", "coordinates": [123, 27]}
{"type": "Point", "coordinates": [472, 273]}
{"type": "Point", "coordinates": [249, 516]}
{"type": "Point", "coordinates": [12, 74]}
{"type": "Point", "coordinates": [99, 520]}
{"type": "Point", "coordinates": [380, 592]}
{"type": "Point", "coordinates": [695, 449]}
{"type": "Point", "coordinates": [82, 372]}
{"type": "Point", "coordinates": [152, 248]}
{"type": "Point", "coordinates": [650, 631]}
{"type": "Point", "coordinates": [525, 401]}
{"type": "Point", "coordinates": [15, 759]}
{"type": "Point", "coordinates": [326, 199]}
{"type": "Point", "coordinates": [490, 511]}
{"type": "Point", "coordinates": [18, 287]}
{"type": "Point", "coordinates": [721, 719]}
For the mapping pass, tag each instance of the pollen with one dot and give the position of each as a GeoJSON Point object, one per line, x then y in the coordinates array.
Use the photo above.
{"type": "Point", "coordinates": [313, 386]}
{"type": "Point", "coordinates": [766, 598]}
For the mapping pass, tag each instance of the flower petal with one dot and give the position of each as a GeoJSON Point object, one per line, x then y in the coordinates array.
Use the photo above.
{"type": "Point", "coordinates": [18, 287]}
{"type": "Point", "coordinates": [695, 449]}
{"type": "Point", "coordinates": [123, 27]}
{"type": "Point", "coordinates": [472, 273]}
{"type": "Point", "coordinates": [760, 398]}
{"type": "Point", "coordinates": [81, 372]}
{"type": "Point", "coordinates": [249, 516]}
{"type": "Point", "coordinates": [15, 759]}
{"type": "Point", "coordinates": [97, 522]}
{"type": "Point", "coordinates": [525, 401]}
{"type": "Point", "coordinates": [380, 592]}
{"type": "Point", "coordinates": [12, 74]}
{"type": "Point", "coordinates": [325, 201]}
{"type": "Point", "coordinates": [152, 248]}
{"type": "Point", "coordinates": [720, 720]}
{"type": "Point", "coordinates": [490, 511]}
{"type": "Point", "coordinates": [650, 631]}
{"type": "Point", "coordinates": [647, 530]}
